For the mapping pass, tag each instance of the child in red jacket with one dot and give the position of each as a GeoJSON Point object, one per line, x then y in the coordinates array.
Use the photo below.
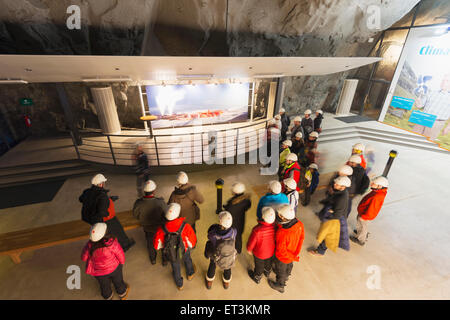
{"type": "Point", "coordinates": [369, 207]}
{"type": "Point", "coordinates": [261, 245]}
{"type": "Point", "coordinates": [104, 260]}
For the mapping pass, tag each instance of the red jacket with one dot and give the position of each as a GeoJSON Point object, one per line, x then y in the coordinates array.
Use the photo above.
{"type": "Point", "coordinates": [295, 170]}
{"type": "Point", "coordinates": [188, 234]}
{"type": "Point", "coordinates": [103, 260]}
{"type": "Point", "coordinates": [371, 204]}
{"type": "Point", "coordinates": [262, 240]}
{"type": "Point", "coordinates": [289, 242]}
{"type": "Point", "coordinates": [363, 161]}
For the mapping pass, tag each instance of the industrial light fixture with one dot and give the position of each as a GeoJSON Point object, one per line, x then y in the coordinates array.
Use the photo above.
{"type": "Point", "coordinates": [12, 81]}
{"type": "Point", "coordinates": [266, 75]}
{"type": "Point", "coordinates": [194, 76]}
{"type": "Point", "coordinates": [99, 79]}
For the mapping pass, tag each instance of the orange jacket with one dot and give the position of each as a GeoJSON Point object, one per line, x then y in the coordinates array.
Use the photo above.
{"type": "Point", "coordinates": [371, 204]}
{"type": "Point", "coordinates": [363, 162]}
{"type": "Point", "coordinates": [289, 242]}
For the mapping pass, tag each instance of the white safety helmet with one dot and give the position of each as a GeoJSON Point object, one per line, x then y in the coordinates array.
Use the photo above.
{"type": "Point", "coordinates": [98, 179]}
{"type": "Point", "coordinates": [382, 181]}
{"type": "Point", "coordinates": [149, 186]}
{"type": "Point", "coordinates": [282, 110]}
{"type": "Point", "coordinates": [292, 157]}
{"type": "Point", "coordinates": [268, 214]}
{"type": "Point", "coordinates": [313, 166]}
{"type": "Point", "coordinates": [182, 177]}
{"type": "Point", "coordinates": [308, 111]}
{"type": "Point", "coordinates": [290, 183]}
{"type": "Point", "coordinates": [355, 158]}
{"type": "Point", "coordinates": [277, 117]}
{"type": "Point", "coordinates": [287, 143]}
{"type": "Point", "coordinates": [298, 118]}
{"type": "Point", "coordinates": [272, 122]}
{"type": "Point", "coordinates": [319, 111]}
{"type": "Point", "coordinates": [359, 147]}
{"type": "Point", "coordinates": [343, 181]}
{"type": "Point", "coordinates": [299, 135]}
{"type": "Point", "coordinates": [314, 134]}
{"type": "Point", "coordinates": [97, 232]}
{"type": "Point", "coordinates": [346, 170]}
{"type": "Point", "coordinates": [238, 188]}
{"type": "Point", "coordinates": [173, 211]}
{"type": "Point", "coordinates": [275, 186]}
{"type": "Point", "coordinates": [225, 219]}
{"type": "Point", "coordinates": [286, 211]}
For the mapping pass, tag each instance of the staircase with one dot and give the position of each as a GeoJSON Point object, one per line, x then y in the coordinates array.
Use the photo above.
{"type": "Point", "coordinates": [41, 172]}
{"type": "Point", "coordinates": [391, 137]}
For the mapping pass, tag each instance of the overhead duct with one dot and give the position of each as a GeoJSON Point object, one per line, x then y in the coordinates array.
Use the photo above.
{"type": "Point", "coordinates": [346, 98]}
{"type": "Point", "coordinates": [106, 110]}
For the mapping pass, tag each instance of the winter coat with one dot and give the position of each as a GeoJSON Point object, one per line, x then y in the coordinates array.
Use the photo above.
{"type": "Point", "coordinates": [261, 242]}
{"type": "Point", "coordinates": [325, 215]}
{"type": "Point", "coordinates": [314, 181]}
{"type": "Point", "coordinates": [344, 242]}
{"type": "Point", "coordinates": [285, 122]}
{"type": "Point", "coordinates": [187, 195]}
{"type": "Point", "coordinates": [142, 164]}
{"type": "Point", "coordinates": [330, 232]}
{"type": "Point", "coordinates": [296, 129]}
{"type": "Point", "coordinates": [371, 204]}
{"type": "Point", "coordinates": [291, 171]}
{"type": "Point", "coordinates": [318, 122]}
{"type": "Point", "coordinates": [225, 258]}
{"type": "Point", "coordinates": [237, 206]}
{"type": "Point", "coordinates": [216, 233]}
{"type": "Point", "coordinates": [357, 179]}
{"type": "Point", "coordinates": [268, 200]}
{"type": "Point", "coordinates": [307, 125]}
{"type": "Point", "coordinates": [288, 241]}
{"type": "Point", "coordinates": [298, 146]}
{"type": "Point", "coordinates": [293, 197]}
{"type": "Point", "coordinates": [188, 234]}
{"type": "Point", "coordinates": [338, 202]}
{"type": "Point", "coordinates": [363, 161]}
{"type": "Point", "coordinates": [95, 202]}
{"type": "Point", "coordinates": [150, 212]}
{"type": "Point", "coordinates": [283, 156]}
{"type": "Point", "coordinates": [103, 260]}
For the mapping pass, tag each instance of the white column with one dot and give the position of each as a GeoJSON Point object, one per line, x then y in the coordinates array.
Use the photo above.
{"type": "Point", "coordinates": [346, 97]}
{"type": "Point", "coordinates": [106, 110]}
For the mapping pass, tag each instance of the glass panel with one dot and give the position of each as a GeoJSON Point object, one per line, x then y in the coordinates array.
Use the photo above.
{"type": "Point", "coordinates": [364, 71]}
{"type": "Point", "coordinates": [358, 99]}
{"type": "Point", "coordinates": [432, 12]}
{"type": "Point", "coordinates": [405, 21]}
{"type": "Point", "coordinates": [390, 52]}
{"type": "Point", "coordinates": [375, 101]}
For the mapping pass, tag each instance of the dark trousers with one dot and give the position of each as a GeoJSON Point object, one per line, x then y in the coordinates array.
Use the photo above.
{"type": "Point", "coordinates": [117, 279]}
{"type": "Point", "coordinates": [306, 196]}
{"type": "Point", "coordinates": [116, 229]}
{"type": "Point", "coordinates": [262, 265]}
{"type": "Point", "coordinates": [238, 242]}
{"type": "Point", "coordinates": [349, 207]}
{"type": "Point", "coordinates": [176, 268]}
{"type": "Point", "coordinates": [212, 271]}
{"type": "Point", "coordinates": [282, 271]}
{"type": "Point", "coordinates": [151, 250]}
{"type": "Point", "coordinates": [140, 181]}
{"type": "Point", "coordinates": [322, 248]}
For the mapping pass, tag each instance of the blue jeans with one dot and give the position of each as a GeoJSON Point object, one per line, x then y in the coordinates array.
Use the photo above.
{"type": "Point", "coordinates": [176, 268]}
{"type": "Point", "coordinates": [322, 248]}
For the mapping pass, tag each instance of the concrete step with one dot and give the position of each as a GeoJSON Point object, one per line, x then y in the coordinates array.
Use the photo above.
{"type": "Point", "coordinates": [431, 147]}
{"type": "Point", "coordinates": [43, 168]}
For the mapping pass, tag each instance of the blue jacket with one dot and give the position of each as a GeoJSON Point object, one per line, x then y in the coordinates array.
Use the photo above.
{"type": "Point", "coordinates": [268, 200]}
{"type": "Point", "coordinates": [314, 181]}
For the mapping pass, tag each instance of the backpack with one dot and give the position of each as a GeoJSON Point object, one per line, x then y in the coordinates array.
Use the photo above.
{"type": "Point", "coordinates": [172, 242]}
{"type": "Point", "coordinates": [225, 253]}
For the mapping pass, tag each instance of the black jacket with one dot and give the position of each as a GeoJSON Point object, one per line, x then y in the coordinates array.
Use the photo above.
{"type": "Point", "coordinates": [237, 206]}
{"type": "Point", "coordinates": [142, 163]}
{"type": "Point", "coordinates": [285, 122]}
{"type": "Point", "coordinates": [298, 146]}
{"type": "Point", "coordinates": [338, 201]}
{"type": "Point", "coordinates": [150, 212]}
{"type": "Point", "coordinates": [318, 122]}
{"type": "Point", "coordinates": [295, 130]}
{"type": "Point", "coordinates": [357, 180]}
{"type": "Point", "coordinates": [307, 125]}
{"type": "Point", "coordinates": [95, 202]}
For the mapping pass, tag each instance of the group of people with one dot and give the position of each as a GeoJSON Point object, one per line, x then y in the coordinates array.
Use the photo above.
{"type": "Point", "coordinates": [275, 241]}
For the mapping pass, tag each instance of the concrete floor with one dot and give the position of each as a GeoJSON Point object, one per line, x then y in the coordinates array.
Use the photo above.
{"type": "Point", "coordinates": [408, 241]}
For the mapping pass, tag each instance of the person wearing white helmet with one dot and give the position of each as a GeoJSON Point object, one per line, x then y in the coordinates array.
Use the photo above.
{"type": "Point", "coordinates": [104, 259]}
{"type": "Point", "coordinates": [176, 236]}
{"type": "Point", "coordinates": [311, 148]}
{"type": "Point", "coordinates": [285, 123]}
{"type": "Point", "coordinates": [358, 149]}
{"type": "Point", "coordinates": [310, 181]}
{"type": "Point", "coordinates": [290, 190]}
{"type": "Point", "coordinates": [345, 171]}
{"type": "Point", "coordinates": [318, 121]}
{"type": "Point", "coordinates": [238, 205]}
{"type": "Point", "coordinates": [261, 245]}
{"type": "Point", "coordinates": [188, 196]}
{"type": "Point", "coordinates": [271, 198]}
{"type": "Point", "coordinates": [360, 180]}
{"type": "Point", "coordinates": [289, 238]}
{"type": "Point", "coordinates": [99, 207]}
{"type": "Point", "coordinates": [149, 211]}
{"type": "Point", "coordinates": [291, 169]}
{"type": "Point", "coordinates": [307, 124]}
{"type": "Point", "coordinates": [297, 127]}
{"type": "Point", "coordinates": [220, 249]}
{"type": "Point", "coordinates": [141, 167]}
{"type": "Point", "coordinates": [285, 147]}
{"type": "Point", "coordinates": [335, 208]}
{"type": "Point", "coordinates": [369, 208]}
{"type": "Point", "coordinates": [278, 121]}
{"type": "Point", "coordinates": [273, 135]}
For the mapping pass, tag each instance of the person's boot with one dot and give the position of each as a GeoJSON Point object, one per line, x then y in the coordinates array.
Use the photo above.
{"type": "Point", "coordinates": [267, 273]}
{"type": "Point", "coordinates": [355, 240]}
{"type": "Point", "coordinates": [226, 283]}
{"type": "Point", "coordinates": [276, 286]}
{"type": "Point", "coordinates": [124, 295]}
{"type": "Point", "coordinates": [208, 282]}
{"type": "Point", "coordinates": [252, 276]}
{"type": "Point", "coordinates": [192, 275]}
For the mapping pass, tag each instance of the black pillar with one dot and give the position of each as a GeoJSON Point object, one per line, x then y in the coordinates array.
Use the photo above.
{"type": "Point", "coordinates": [219, 186]}
{"type": "Point", "coordinates": [68, 114]}
{"type": "Point", "coordinates": [392, 155]}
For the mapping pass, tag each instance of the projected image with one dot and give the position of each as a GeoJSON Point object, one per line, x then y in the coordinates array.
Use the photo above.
{"type": "Point", "coordinates": [185, 105]}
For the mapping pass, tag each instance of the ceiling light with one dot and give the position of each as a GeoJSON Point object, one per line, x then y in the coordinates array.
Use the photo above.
{"type": "Point", "coordinates": [194, 76]}
{"type": "Point", "coordinates": [98, 79]}
{"type": "Point", "coordinates": [266, 75]}
{"type": "Point", "coordinates": [12, 81]}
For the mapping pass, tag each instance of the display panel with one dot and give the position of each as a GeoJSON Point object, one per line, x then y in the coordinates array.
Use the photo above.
{"type": "Point", "coordinates": [184, 105]}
